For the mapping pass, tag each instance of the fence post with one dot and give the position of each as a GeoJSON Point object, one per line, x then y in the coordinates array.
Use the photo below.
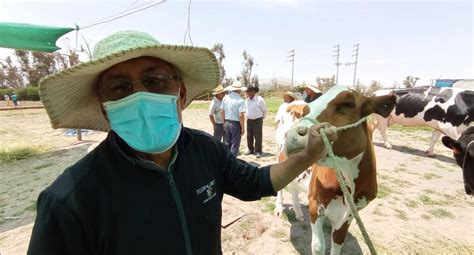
{"type": "Point", "coordinates": [79, 134]}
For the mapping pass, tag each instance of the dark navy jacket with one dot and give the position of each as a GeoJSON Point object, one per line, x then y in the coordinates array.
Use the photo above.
{"type": "Point", "coordinates": [111, 202]}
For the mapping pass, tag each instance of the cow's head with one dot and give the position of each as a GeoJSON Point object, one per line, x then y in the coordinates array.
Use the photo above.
{"type": "Point", "coordinates": [341, 106]}
{"type": "Point", "coordinates": [463, 151]}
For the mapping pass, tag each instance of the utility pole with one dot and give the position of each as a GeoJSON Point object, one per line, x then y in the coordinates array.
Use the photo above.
{"type": "Point", "coordinates": [355, 53]}
{"type": "Point", "coordinates": [292, 60]}
{"type": "Point", "coordinates": [337, 53]}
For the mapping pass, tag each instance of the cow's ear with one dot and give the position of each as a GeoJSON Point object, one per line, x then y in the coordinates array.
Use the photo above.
{"type": "Point", "coordinates": [452, 144]}
{"type": "Point", "coordinates": [382, 105]}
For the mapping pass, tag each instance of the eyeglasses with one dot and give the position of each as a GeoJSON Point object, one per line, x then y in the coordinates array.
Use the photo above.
{"type": "Point", "coordinates": [154, 83]}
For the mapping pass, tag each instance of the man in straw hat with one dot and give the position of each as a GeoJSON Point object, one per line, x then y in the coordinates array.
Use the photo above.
{"type": "Point", "coordinates": [152, 186]}
{"type": "Point", "coordinates": [288, 97]}
{"type": "Point", "coordinates": [312, 93]}
{"type": "Point", "coordinates": [215, 114]}
{"type": "Point", "coordinates": [233, 110]}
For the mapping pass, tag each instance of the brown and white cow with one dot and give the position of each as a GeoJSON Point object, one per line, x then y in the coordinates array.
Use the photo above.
{"type": "Point", "coordinates": [285, 120]}
{"type": "Point", "coordinates": [463, 152]}
{"type": "Point", "coordinates": [354, 156]}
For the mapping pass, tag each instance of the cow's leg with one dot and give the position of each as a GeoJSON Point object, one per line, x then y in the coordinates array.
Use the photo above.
{"type": "Point", "coordinates": [296, 201]}
{"type": "Point", "coordinates": [434, 137]}
{"type": "Point", "coordinates": [338, 237]}
{"type": "Point", "coordinates": [382, 124]}
{"type": "Point", "coordinates": [318, 244]}
{"type": "Point", "coordinates": [279, 204]}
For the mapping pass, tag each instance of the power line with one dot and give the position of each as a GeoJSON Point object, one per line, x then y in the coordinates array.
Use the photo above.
{"type": "Point", "coordinates": [188, 27]}
{"type": "Point", "coordinates": [123, 15]}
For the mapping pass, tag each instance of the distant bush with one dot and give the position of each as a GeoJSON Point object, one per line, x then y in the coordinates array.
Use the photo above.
{"type": "Point", "coordinates": [32, 93]}
{"type": "Point", "coordinates": [29, 93]}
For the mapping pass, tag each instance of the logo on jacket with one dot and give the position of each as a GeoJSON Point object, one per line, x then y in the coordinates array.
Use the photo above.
{"type": "Point", "coordinates": [210, 190]}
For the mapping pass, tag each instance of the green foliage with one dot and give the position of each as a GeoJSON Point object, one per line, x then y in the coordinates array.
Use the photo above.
{"type": "Point", "coordinates": [324, 84]}
{"type": "Point", "coordinates": [32, 93]}
{"type": "Point", "coordinates": [29, 93]}
{"type": "Point", "coordinates": [17, 153]}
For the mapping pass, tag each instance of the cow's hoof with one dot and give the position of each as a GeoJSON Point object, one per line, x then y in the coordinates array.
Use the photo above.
{"type": "Point", "coordinates": [387, 146]}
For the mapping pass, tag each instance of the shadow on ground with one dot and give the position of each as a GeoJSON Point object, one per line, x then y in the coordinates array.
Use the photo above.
{"type": "Point", "coordinates": [417, 152]}
{"type": "Point", "coordinates": [23, 180]}
{"type": "Point", "coordinates": [300, 234]}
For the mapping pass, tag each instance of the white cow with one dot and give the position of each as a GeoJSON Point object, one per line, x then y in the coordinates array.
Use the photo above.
{"type": "Point", "coordinates": [288, 116]}
{"type": "Point", "coordinates": [448, 111]}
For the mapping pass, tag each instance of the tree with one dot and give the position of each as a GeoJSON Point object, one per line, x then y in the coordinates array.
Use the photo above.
{"type": "Point", "coordinates": [35, 65]}
{"type": "Point", "coordinates": [374, 86]}
{"type": "Point", "coordinates": [359, 87]}
{"type": "Point", "coordinates": [227, 82]}
{"type": "Point", "coordinates": [324, 84]}
{"type": "Point", "coordinates": [246, 74]}
{"type": "Point", "coordinates": [13, 77]}
{"type": "Point", "coordinates": [218, 50]}
{"type": "Point", "coordinates": [410, 81]}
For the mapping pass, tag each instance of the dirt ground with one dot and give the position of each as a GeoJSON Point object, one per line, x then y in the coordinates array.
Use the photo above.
{"type": "Point", "coordinates": [421, 206]}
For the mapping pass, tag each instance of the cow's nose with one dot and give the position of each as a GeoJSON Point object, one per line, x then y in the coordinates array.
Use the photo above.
{"type": "Point", "coordinates": [302, 131]}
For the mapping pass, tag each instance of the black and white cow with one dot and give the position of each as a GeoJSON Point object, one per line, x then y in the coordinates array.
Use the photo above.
{"type": "Point", "coordinates": [463, 151]}
{"type": "Point", "coordinates": [448, 111]}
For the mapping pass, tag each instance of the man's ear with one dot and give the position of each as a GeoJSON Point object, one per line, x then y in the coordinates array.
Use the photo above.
{"type": "Point", "coordinates": [452, 144]}
{"type": "Point", "coordinates": [182, 95]}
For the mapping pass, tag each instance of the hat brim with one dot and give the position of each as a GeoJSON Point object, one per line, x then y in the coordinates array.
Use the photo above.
{"type": "Point", "coordinates": [70, 96]}
{"type": "Point", "coordinates": [314, 89]}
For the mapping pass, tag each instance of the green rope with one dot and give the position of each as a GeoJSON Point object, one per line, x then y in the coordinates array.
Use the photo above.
{"type": "Point", "coordinates": [343, 185]}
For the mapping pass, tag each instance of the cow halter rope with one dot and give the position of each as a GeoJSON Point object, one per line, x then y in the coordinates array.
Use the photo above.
{"type": "Point", "coordinates": [342, 182]}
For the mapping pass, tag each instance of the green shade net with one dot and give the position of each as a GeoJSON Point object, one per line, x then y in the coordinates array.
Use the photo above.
{"type": "Point", "coordinates": [30, 37]}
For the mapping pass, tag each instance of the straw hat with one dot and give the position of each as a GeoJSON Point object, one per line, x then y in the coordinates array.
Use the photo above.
{"type": "Point", "coordinates": [290, 94]}
{"type": "Point", "coordinates": [313, 88]}
{"type": "Point", "coordinates": [236, 85]}
{"type": "Point", "coordinates": [70, 96]}
{"type": "Point", "coordinates": [219, 89]}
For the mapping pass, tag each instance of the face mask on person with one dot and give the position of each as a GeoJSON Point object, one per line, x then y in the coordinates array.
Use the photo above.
{"type": "Point", "coordinates": [147, 122]}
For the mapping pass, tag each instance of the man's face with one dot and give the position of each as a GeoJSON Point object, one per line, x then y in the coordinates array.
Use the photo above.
{"type": "Point", "coordinates": [146, 74]}
{"type": "Point", "coordinates": [287, 99]}
{"type": "Point", "coordinates": [250, 94]}
{"type": "Point", "coordinates": [309, 92]}
{"type": "Point", "coordinates": [220, 96]}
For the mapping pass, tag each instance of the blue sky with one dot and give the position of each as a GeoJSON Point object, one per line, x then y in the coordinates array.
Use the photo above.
{"type": "Point", "coordinates": [428, 39]}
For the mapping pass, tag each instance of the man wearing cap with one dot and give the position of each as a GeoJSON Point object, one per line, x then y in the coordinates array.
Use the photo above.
{"type": "Point", "coordinates": [256, 110]}
{"type": "Point", "coordinates": [312, 93]}
{"type": "Point", "coordinates": [215, 114]}
{"type": "Point", "coordinates": [152, 186]}
{"type": "Point", "coordinates": [233, 114]}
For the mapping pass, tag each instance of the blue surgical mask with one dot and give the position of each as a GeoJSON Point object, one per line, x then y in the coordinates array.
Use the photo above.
{"type": "Point", "coordinates": [147, 122]}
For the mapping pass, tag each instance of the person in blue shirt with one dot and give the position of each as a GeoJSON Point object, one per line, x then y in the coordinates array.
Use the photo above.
{"type": "Point", "coordinates": [233, 114]}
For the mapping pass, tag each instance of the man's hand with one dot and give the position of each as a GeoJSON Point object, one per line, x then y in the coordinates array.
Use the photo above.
{"type": "Point", "coordinates": [242, 130]}
{"type": "Point", "coordinates": [315, 148]}
{"type": "Point", "coordinates": [284, 172]}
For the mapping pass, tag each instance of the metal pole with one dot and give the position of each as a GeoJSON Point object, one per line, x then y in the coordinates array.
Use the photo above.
{"type": "Point", "coordinates": [337, 51]}
{"type": "Point", "coordinates": [292, 60]}
{"type": "Point", "coordinates": [356, 50]}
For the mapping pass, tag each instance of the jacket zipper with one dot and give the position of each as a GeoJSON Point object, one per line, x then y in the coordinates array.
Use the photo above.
{"type": "Point", "coordinates": [177, 200]}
